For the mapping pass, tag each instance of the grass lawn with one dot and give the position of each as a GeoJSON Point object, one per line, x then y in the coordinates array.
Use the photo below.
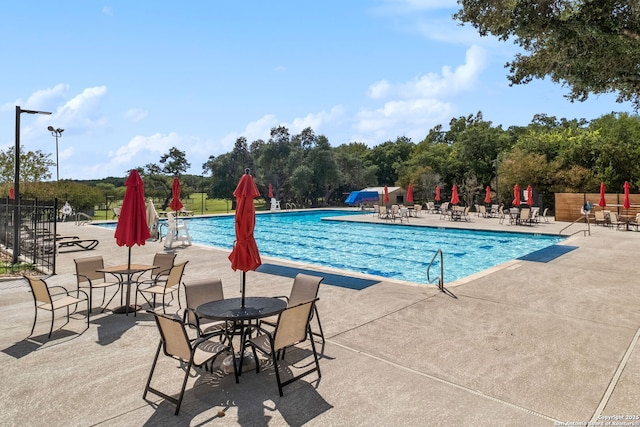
{"type": "Point", "coordinates": [197, 202]}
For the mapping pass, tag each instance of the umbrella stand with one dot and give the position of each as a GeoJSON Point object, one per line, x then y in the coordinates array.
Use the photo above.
{"type": "Point", "coordinates": [244, 281]}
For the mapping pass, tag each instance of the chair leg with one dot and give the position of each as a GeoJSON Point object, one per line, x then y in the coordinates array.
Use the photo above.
{"type": "Point", "coordinates": [153, 367]}
{"type": "Point", "coordinates": [317, 315]}
{"type": "Point", "coordinates": [184, 385]}
{"type": "Point", "coordinates": [35, 318]}
{"type": "Point", "coordinates": [51, 328]}
{"type": "Point", "coordinates": [277, 369]}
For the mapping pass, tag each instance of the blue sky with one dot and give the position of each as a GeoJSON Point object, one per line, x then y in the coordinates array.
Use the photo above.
{"type": "Point", "coordinates": [128, 80]}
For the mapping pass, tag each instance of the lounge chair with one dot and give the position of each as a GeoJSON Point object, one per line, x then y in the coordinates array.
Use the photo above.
{"type": "Point", "coordinates": [116, 212]}
{"type": "Point", "coordinates": [43, 299]}
{"type": "Point", "coordinates": [74, 243]}
{"type": "Point", "coordinates": [176, 344]}
{"type": "Point", "coordinates": [185, 212]}
{"type": "Point", "coordinates": [292, 329]}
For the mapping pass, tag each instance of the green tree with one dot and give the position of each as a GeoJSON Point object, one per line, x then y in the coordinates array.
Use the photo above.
{"type": "Point", "coordinates": [34, 165]}
{"type": "Point", "coordinates": [390, 158]}
{"type": "Point", "coordinates": [588, 46]}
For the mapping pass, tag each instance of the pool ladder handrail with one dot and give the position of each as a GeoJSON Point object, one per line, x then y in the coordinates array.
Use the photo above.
{"type": "Point", "coordinates": [441, 277]}
{"type": "Point", "coordinates": [290, 206]}
{"type": "Point", "coordinates": [586, 232]}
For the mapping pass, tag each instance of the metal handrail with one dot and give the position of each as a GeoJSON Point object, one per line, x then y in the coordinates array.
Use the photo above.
{"type": "Point", "coordinates": [82, 218]}
{"type": "Point", "coordinates": [441, 278]}
{"type": "Point", "coordinates": [586, 219]}
{"type": "Point", "coordinates": [289, 206]}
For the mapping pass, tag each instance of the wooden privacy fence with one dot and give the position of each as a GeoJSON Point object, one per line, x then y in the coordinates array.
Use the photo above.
{"type": "Point", "coordinates": [568, 205]}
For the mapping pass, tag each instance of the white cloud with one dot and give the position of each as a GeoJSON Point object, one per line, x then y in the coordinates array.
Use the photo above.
{"type": "Point", "coordinates": [156, 143]}
{"type": "Point", "coordinates": [83, 110]}
{"type": "Point", "coordinates": [107, 10]}
{"type": "Point", "coordinates": [446, 83]}
{"type": "Point", "coordinates": [317, 121]}
{"type": "Point", "coordinates": [136, 114]}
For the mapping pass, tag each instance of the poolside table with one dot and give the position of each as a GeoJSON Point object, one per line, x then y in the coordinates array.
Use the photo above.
{"type": "Point", "coordinates": [124, 274]}
{"type": "Point", "coordinates": [231, 310]}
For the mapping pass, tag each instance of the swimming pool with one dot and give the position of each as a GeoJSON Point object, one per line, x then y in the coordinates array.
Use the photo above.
{"type": "Point", "coordinates": [396, 251]}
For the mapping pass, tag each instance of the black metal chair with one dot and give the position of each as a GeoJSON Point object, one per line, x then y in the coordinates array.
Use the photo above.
{"type": "Point", "coordinates": [42, 298]}
{"type": "Point", "coordinates": [292, 328]}
{"type": "Point", "coordinates": [176, 344]}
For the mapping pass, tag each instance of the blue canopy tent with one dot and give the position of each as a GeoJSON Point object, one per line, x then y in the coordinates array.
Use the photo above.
{"type": "Point", "coordinates": [357, 197]}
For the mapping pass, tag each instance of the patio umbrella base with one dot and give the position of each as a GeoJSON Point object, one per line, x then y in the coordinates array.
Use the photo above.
{"type": "Point", "coordinates": [124, 309]}
{"type": "Point", "coordinates": [248, 363]}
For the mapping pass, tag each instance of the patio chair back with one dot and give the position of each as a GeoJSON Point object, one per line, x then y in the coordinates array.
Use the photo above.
{"type": "Point", "coordinates": [175, 341]}
{"type": "Point", "coordinates": [86, 269]}
{"type": "Point", "coordinates": [164, 262]}
{"type": "Point", "coordinates": [175, 275]}
{"type": "Point", "coordinates": [305, 288]}
{"type": "Point", "coordinates": [292, 327]}
{"type": "Point", "coordinates": [40, 291]}
{"type": "Point", "coordinates": [199, 292]}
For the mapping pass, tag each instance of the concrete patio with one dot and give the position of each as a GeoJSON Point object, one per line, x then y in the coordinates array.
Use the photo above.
{"type": "Point", "coordinates": [525, 343]}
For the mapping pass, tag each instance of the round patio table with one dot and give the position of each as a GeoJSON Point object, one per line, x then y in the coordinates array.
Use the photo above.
{"type": "Point", "coordinates": [231, 310]}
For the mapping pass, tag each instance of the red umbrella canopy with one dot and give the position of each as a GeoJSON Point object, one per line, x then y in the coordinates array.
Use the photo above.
{"type": "Point", "coordinates": [626, 203]}
{"type": "Point", "coordinates": [132, 228]}
{"type": "Point", "coordinates": [437, 198]}
{"type": "Point", "coordinates": [12, 193]}
{"type": "Point", "coordinates": [529, 195]}
{"type": "Point", "coordinates": [602, 202]}
{"type": "Point", "coordinates": [516, 195]}
{"type": "Point", "coordinates": [245, 255]}
{"type": "Point", "coordinates": [270, 195]}
{"type": "Point", "coordinates": [410, 194]}
{"type": "Point", "coordinates": [454, 195]}
{"type": "Point", "coordinates": [175, 204]}
{"type": "Point", "coordinates": [487, 194]}
{"type": "Point", "coordinates": [386, 195]}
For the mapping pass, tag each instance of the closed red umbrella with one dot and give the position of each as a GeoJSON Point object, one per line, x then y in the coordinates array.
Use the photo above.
{"type": "Point", "coordinates": [529, 195]}
{"type": "Point", "coordinates": [437, 198]}
{"type": "Point", "coordinates": [516, 196]}
{"type": "Point", "coordinates": [12, 193]}
{"type": "Point", "coordinates": [410, 194]}
{"type": "Point", "coordinates": [487, 195]}
{"type": "Point", "coordinates": [386, 195]}
{"type": "Point", "coordinates": [175, 204]}
{"type": "Point", "coordinates": [602, 202]}
{"type": "Point", "coordinates": [626, 203]}
{"type": "Point", "coordinates": [245, 255]}
{"type": "Point", "coordinates": [454, 195]}
{"type": "Point", "coordinates": [270, 195]}
{"type": "Point", "coordinates": [132, 228]}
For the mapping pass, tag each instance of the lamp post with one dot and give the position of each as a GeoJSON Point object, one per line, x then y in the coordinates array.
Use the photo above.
{"type": "Point", "coordinates": [17, 221]}
{"type": "Point", "coordinates": [58, 134]}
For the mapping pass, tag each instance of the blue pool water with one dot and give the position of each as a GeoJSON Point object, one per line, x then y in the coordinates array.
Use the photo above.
{"type": "Point", "coordinates": [392, 251]}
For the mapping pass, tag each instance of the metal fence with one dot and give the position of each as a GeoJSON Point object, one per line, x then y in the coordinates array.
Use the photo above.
{"type": "Point", "coordinates": [27, 232]}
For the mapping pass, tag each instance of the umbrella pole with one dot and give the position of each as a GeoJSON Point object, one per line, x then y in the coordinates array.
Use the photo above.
{"type": "Point", "coordinates": [243, 283]}
{"type": "Point", "coordinates": [129, 259]}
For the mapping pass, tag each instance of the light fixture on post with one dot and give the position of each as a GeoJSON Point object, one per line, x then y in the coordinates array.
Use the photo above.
{"type": "Point", "coordinates": [58, 134]}
{"type": "Point", "coordinates": [17, 221]}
